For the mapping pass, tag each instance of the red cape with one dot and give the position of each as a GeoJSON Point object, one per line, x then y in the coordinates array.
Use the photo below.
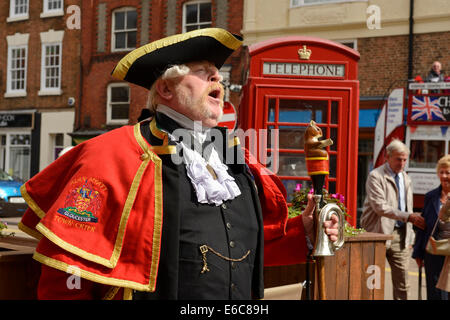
{"type": "Point", "coordinates": [105, 221]}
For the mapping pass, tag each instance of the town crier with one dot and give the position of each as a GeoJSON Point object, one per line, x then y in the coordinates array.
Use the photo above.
{"type": "Point", "coordinates": [172, 207]}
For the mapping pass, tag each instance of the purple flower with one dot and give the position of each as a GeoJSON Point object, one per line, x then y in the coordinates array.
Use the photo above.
{"type": "Point", "coordinates": [298, 187]}
{"type": "Point", "coordinates": [338, 196]}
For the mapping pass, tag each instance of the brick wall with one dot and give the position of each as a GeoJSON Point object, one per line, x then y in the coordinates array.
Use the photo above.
{"type": "Point", "coordinates": [97, 66]}
{"type": "Point", "coordinates": [384, 60]}
{"type": "Point", "coordinates": [70, 55]}
{"type": "Point", "coordinates": [99, 61]}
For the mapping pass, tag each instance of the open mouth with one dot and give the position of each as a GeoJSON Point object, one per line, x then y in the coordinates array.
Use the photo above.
{"type": "Point", "coordinates": [215, 94]}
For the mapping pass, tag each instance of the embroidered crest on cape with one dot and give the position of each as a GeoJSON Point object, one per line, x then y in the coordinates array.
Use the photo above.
{"type": "Point", "coordinates": [84, 200]}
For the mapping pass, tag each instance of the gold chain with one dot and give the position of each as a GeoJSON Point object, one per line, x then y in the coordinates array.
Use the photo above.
{"type": "Point", "coordinates": [205, 248]}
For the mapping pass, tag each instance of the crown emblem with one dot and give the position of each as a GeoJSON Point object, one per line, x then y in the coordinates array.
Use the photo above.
{"type": "Point", "coordinates": [304, 53]}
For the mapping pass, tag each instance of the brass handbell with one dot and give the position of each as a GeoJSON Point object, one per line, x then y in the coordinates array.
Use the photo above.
{"type": "Point", "coordinates": [323, 245]}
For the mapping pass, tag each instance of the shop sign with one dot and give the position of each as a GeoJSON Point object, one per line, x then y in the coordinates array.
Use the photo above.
{"type": "Point", "coordinates": [444, 103]}
{"type": "Point", "coordinates": [16, 120]}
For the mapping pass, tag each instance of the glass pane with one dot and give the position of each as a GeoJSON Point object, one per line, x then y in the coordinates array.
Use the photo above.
{"type": "Point", "coordinates": [205, 12]}
{"type": "Point", "coordinates": [334, 112]}
{"type": "Point", "coordinates": [291, 185]}
{"type": "Point", "coordinates": [119, 111]}
{"type": "Point", "coordinates": [131, 19]}
{"type": "Point", "coordinates": [20, 162]}
{"type": "Point", "coordinates": [190, 28]}
{"type": "Point", "coordinates": [291, 137]}
{"type": "Point", "coordinates": [120, 40]}
{"type": "Point", "coordinates": [59, 139]}
{"type": "Point", "coordinates": [293, 165]}
{"type": "Point", "coordinates": [303, 110]}
{"type": "Point", "coordinates": [131, 39]}
{"type": "Point", "coordinates": [119, 20]}
{"type": "Point", "coordinates": [426, 153]}
{"type": "Point", "coordinates": [271, 113]}
{"type": "Point", "coordinates": [331, 187]}
{"type": "Point", "coordinates": [119, 94]}
{"type": "Point", "coordinates": [20, 139]}
{"type": "Point", "coordinates": [333, 162]}
{"type": "Point", "coordinates": [191, 13]}
{"type": "Point", "coordinates": [57, 152]}
{"type": "Point", "coordinates": [334, 137]}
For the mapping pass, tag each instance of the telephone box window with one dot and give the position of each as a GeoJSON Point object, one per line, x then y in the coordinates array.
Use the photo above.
{"type": "Point", "coordinates": [303, 110]}
{"type": "Point", "coordinates": [288, 137]}
{"type": "Point", "coordinates": [291, 137]}
{"type": "Point", "coordinates": [334, 137]}
{"type": "Point", "coordinates": [334, 112]}
{"type": "Point", "coordinates": [292, 165]}
{"type": "Point", "coordinates": [291, 118]}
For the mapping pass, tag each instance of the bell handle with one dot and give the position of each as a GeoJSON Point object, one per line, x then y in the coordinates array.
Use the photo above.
{"type": "Point", "coordinates": [329, 210]}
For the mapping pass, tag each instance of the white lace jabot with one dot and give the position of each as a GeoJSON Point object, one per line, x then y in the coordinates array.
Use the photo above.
{"type": "Point", "coordinates": [208, 189]}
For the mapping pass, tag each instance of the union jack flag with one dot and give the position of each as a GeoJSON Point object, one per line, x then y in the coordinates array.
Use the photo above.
{"type": "Point", "coordinates": [426, 108]}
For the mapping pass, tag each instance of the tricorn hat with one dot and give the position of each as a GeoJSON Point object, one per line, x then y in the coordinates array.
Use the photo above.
{"type": "Point", "coordinates": [144, 65]}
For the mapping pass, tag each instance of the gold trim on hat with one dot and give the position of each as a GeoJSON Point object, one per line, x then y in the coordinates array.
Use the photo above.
{"type": "Point", "coordinates": [221, 35]}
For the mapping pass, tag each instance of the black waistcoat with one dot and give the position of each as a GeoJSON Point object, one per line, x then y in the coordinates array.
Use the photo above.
{"type": "Point", "coordinates": [230, 229]}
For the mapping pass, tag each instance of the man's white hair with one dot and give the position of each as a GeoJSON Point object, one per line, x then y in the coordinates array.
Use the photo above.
{"type": "Point", "coordinates": [171, 73]}
{"type": "Point", "coordinates": [397, 146]}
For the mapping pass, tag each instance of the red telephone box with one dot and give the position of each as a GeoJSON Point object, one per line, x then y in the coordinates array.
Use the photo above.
{"type": "Point", "coordinates": [291, 81]}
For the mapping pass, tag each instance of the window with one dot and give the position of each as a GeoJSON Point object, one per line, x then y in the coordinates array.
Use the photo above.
{"type": "Point", "coordinates": [426, 153]}
{"type": "Point", "coordinates": [427, 144]}
{"type": "Point", "coordinates": [17, 71]}
{"type": "Point", "coordinates": [124, 29]}
{"type": "Point", "coordinates": [52, 8]}
{"type": "Point", "coordinates": [15, 150]}
{"type": "Point", "coordinates": [51, 69]}
{"type": "Point", "coordinates": [51, 62]}
{"type": "Point", "coordinates": [118, 103]}
{"type": "Point", "coordinates": [53, 5]}
{"type": "Point", "coordinates": [196, 15]}
{"type": "Point", "coordinates": [18, 10]}
{"type": "Point", "coordinates": [58, 144]}
{"type": "Point", "coordinates": [349, 43]}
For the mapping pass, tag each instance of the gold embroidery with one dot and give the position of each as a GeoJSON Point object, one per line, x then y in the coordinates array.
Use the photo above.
{"type": "Point", "coordinates": [158, 214]}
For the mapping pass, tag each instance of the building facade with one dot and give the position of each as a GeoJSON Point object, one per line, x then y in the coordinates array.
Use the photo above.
{"type": "Point", "coordinates": [397, 41]}
{"type": "Point", "coordinates": [111, 29]}
{"type": "Point", "coordinates": [39, 45]}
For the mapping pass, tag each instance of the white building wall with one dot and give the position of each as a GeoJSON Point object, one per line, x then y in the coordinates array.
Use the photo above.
{"type": "Point", "coordinates": [53, 122]}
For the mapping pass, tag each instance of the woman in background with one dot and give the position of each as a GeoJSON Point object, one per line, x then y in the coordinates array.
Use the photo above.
{"type": "Point", "coordinates": [433, 202]}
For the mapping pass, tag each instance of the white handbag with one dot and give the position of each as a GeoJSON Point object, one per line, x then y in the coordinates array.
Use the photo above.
{"type": "Point", "coordinates": [438, 247]}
